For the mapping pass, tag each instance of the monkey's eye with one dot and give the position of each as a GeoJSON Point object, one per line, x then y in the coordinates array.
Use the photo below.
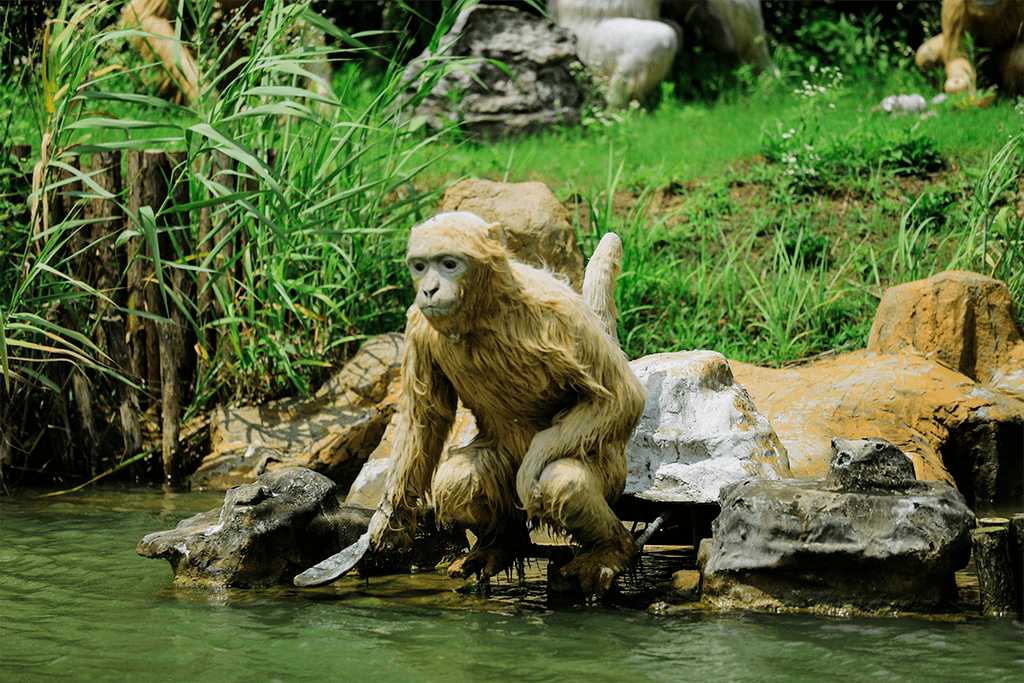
{"type": "Point", "coordinates": [417, 267]}
{"type": "Point", "coordinates": [453, 265]}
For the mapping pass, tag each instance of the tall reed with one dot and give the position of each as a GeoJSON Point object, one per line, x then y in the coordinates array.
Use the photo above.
{"type": "Point", "coordinates": [306, 198]}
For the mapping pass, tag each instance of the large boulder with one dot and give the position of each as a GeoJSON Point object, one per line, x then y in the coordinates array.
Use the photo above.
{"type": "Point", "coordinates": [538, 91]}
{"type": "Point", "coordinates": [861, 543]}
{"type": "Point", "coordinates": [954, 429]}
{"type": "Point", "coordinates": [735, 28]}
{"type": "Point", "coordinates": [959, 319]}
{"type": "Point", "coordinates": [699, 431]}
{"type": "Point", "coordinates": [332, 432]}
{"type": "Point", "coordinates": [624, 42]}
{"type": "Point", "coordinates": [265, 533]}
{"type": "Point", "coordinates": [942, 378]}
{"type": "Point", "coordinates": [535, 222]}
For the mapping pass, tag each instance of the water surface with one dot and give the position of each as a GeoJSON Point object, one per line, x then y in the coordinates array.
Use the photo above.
{"type": "Point", "coordinates": [78, 604]}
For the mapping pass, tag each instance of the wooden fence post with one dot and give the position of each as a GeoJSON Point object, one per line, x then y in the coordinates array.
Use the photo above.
{"type": "Point", "coordinates": [174, 244]}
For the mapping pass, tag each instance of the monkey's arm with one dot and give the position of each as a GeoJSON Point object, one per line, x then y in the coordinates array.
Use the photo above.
{"type": "Point", "coordinates": [426, 414]}
{"type": "Point", "coordinates": [594, 430]}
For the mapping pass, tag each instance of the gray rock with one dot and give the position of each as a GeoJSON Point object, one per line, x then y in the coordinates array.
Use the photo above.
{"type": "Point", "coordinates": [265, 533]}
{"type": "Point", "coordinates": [863, 464]}
{"type": "Point", "coordinates": [542, 90]}
{"type": "Point", "coordinates": [793, 544]}
{"type": "Point", "coordinates": [699, 431]}
{"type": "Point", "coordinates": [276, 527]}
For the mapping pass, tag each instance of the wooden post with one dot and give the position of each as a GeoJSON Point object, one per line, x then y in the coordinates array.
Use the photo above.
{"type": "Point", "coordinates": [213, 235]}
{"type": "Point", "coordinates": [80, 389]}
{"type": "Point", "coordinates": [146, 179]}
{"type": "Point", "coordinates": [174, 248]}
{"type": "Point", "coordinates": [107, 220]}
{"type": "Point", "coordinates": [96, 265]}
{"type": "Point", "coordinates": [62, 206]}
{"type": "Point", "coordinates": [992, 560]}
{"type": "Point", "coordinates": [127, 395]}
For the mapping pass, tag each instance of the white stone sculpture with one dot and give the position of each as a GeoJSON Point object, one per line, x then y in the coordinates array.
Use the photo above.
{"type": "Point", "coordinates": [623, 41]}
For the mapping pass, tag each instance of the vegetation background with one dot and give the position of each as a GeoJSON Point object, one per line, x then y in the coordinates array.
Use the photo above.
{"type": "Point", "coordinates": [762, 218]}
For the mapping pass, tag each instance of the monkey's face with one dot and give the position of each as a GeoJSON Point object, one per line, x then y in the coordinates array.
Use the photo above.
{"type": "Point", "coordinates": [437, 276]}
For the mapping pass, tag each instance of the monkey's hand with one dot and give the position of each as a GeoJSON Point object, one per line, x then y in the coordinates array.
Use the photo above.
{"type": "Point", "coordinates": [391, 530]}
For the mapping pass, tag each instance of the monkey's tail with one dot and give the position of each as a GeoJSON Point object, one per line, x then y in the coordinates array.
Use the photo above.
{"type": "Point", "coordinates": [599, 282]}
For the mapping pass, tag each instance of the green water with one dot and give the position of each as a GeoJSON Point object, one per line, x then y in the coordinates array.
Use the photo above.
{"type": "Point", "coordinates": [77, 604]}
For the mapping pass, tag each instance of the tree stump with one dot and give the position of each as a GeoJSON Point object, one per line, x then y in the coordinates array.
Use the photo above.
{"type": "Point", "coordinates": [995, 577]}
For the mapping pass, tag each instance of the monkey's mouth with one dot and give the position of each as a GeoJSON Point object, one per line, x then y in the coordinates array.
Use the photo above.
{"type": "Point", "coordinates": [435, 311]}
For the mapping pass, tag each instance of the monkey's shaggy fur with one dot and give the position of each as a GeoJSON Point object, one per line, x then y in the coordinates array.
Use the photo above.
{"type": "Point", "coordinates": [553, 395]}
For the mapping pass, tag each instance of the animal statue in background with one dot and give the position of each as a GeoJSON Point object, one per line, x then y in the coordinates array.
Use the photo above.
{"type": "Point", "coordinates": [554, 399]}
{"type": "Point", "coordinates": [623, 41]}
{"type": "Point", "coordinates": [165, 35]}
{"type": "Point", "coordinates": [994, 25]}
{"type": "Point", "coordinates": [629, 43]}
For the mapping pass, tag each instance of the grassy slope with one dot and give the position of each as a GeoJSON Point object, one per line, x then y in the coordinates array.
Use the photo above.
{"type": "Point", "coordinates": [723, 253]}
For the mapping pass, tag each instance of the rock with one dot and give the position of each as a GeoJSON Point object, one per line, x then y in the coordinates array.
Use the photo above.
{"type": "Point", "coordinates": [535, 222]}
{"type": "Point", "coordinates": [962, 320]}
{"type": "Point", "coordinates": [542, 92]}
{"type": "Point", "coordinates": [954, 429]}
{"type": "Point", "coordinates": [266, 532]}
{"type": "Point", "coordinates": [699, 431]}
{"type": "Point", "coordinates": [269, 531]}
{"type": "Point", "coordinates": [903, 104]}
{"type": "Point", "coordinates": [792, 544]}
{"type": "Point", "coordinates": [865, 464]}
{"type": "Point", "coordinates": [331, 433]}
{"type": "Point", "coordinates": [685, 586]}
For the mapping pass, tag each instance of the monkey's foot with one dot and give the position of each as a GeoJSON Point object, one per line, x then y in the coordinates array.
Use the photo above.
{"type": "Point", "coordinates": [484, 562]}
{"type": "Point", "coordinates": [597, 569]}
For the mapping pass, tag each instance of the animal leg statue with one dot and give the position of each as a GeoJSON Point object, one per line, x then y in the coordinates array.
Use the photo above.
{"type": "Point", "coordinates": [553, 395]}
{"type": "Point", "coordinates": [993, 24]}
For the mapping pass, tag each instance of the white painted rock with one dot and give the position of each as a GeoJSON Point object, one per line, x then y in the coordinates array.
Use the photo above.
{"type": "Point", "coordinates": [699, 431]}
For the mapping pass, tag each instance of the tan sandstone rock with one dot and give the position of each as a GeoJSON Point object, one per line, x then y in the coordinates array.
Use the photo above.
{"type": "Point", "coordinates": [331, 433]}
{"type": "Point", "coordinates": [942, 378]}
{"type": "Point", "coordinates": [537, 225]}
{"type": "Point", "coordinates": [959, 319]}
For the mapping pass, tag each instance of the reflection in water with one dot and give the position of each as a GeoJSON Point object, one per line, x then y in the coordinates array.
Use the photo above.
{"type": "Point", "coordinates": [79, 604]}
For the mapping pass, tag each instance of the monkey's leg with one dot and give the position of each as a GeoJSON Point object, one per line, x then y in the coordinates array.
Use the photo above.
{"type": "Point", "coordinates": [960, 76]}
{"type": "Point", "coordinates": [929, 55]}
{"type": "Point", "coordinates": [568, 495]}
{"type": "Point", "coordinates": [162, 45]}
{"type": "Point", "coordinates": [474, 487]}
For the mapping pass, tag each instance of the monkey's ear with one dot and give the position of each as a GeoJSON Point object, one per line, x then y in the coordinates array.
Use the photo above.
{"type": "Point", "coordinates": [497, 233]}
